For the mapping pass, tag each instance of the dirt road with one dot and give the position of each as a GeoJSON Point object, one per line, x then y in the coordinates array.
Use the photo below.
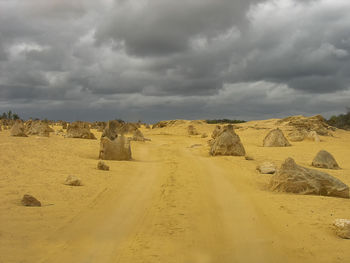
{"type": "Point", "coordinates": [177, 206]}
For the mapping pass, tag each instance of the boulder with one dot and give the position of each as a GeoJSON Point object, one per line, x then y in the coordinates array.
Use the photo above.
{"type": "Point", "coordinates": [29, 200]}
{"type": "Point", "coordinates": [79, 129]}
{"type": "Point", "coordinates": [191, 130]}
{"type": "Point", "coordinates": [118, 149]}
{"type": "Point", "coordinates": [73, 181]}
{"type": "Point", "coordinates": [324, 159]}
{"type": "Point", "coordinates": [18, 129]}
{"type": "Point", "coordinates": [293, 178]}
{"type": "Point", "coordinates": [266, 168]}
{"type": "Point", "coordinates": [342, 228]}
{"type": "Point", "coordinates": [102, 166]}
{"type": "Point", "coordinates": [275, 138]}
{"type": "Point", "coordinates": [227, 143]}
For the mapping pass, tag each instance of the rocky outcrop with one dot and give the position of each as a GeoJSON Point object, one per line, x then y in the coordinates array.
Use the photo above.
{"type": "Point", "coordinates": [81, 130]}
{"type": "Point", "coordinates": [342, 228]}
{"type": "Point", "coordinates": [29, 200]}
{"type": "Point", "coordinates": [275, 138]}
{"type": "Point", "coordinates": [324, 159]}
{"type": "Point", "coordinates": [293, 178]}
{"type": "Point", "coordinates": [118, 149]}
{"type": "Point", "coordinates": [18, 129]}
{"type": "Point", "coordinates": [227, 143]}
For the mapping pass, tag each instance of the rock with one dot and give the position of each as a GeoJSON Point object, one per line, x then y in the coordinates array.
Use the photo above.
{"type": "Point", "coordinates": [138, 136]}
{"type": "Point", "coordinates": [216, 132]}
{"type": "Point", "coordinates": [79, 129]}
{"type": "Point", "coordinates": [18, 130]}
{"type": "Point", "coordinates": [73, 181]}
{"type": "Point", "coordinates": [275, 138]}
{"type": "Point", "coordinates": [204, 135]}
{"type": "Point", "coordinates": [297, 179]}
{"type": "Point", "coordinates": [29, 200]}
{"type": "Point", "coordinates": [325, 160]}
{"type": "Point", "coordinates": [191, 130]}
{"type": "Point", "coordinates": [249, 158]}
{"type": "Point", "coordinates": [227, 143]}
{"type": "Point", "coordinates": [312, 136]}
{"type": "Point", "coordinates": [111, 130]}
{"type": "Point", "coordinates": [102, 166]}
{"type": "Point", "coordinates": [296, 136]}
{"type": "Point", "coordinates": [342, 228]}
{"type": "Point", "coordinates": [39, 128]}
{"type": "Point", "coordinates": [315, 123]}
{"type": "Point", "coordinates": [266, 168]}
{"type": "Point", "coordinates": [118, 149]}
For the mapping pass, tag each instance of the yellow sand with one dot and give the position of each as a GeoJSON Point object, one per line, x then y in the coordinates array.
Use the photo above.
{"type": "Point", "coordinates": [172, 203]}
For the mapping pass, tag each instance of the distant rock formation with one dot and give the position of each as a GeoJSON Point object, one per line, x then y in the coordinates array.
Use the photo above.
{"type": "Point", "coordinates": [138, 136]}
{"type": "Point", "coordinates": [38, 127]}
{"type": "Point", "coordinates": [227, 143]}
{"type": "Point", "coordinates": [79, 129]}
{"type": "Point", "coordinates": [315, 123]}
{"type": "Point", "coordinates": [276, 138]}
{"type": "Point", "coordinates": [324, 159]}
{"type": "Point", "coordinates": [191, 130]}
{"type": "Point", "coordinates": [293, 178]}
{"type": "Point", "coordinates": [18, 129]}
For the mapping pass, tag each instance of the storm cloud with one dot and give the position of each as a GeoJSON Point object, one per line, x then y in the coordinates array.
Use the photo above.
{"type": "Point", "coordinates": [162, 59]}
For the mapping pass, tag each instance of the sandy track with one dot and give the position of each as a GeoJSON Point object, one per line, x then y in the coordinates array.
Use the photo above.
{"type": "Point", "coordinates": [183, 208]}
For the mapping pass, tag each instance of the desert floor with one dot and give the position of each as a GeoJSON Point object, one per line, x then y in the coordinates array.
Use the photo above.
{"type": "Point", "coordinates": [172, 203]}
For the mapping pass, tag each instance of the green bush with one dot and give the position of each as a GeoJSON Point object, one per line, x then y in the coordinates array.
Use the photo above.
{"type": "Point", "coordinates": [341, 121]}
{"type": "Point", "coordinates": [222, 121]}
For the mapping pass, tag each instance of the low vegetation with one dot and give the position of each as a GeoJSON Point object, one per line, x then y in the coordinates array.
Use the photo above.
{"type": "Point", "coordinates": [219, 121]}
{"type": "Point", "coordinates": [341, 121]}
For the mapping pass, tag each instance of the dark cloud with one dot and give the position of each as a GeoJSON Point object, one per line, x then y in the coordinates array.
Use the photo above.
{"type": "Point", "coordinates": [161, 59]}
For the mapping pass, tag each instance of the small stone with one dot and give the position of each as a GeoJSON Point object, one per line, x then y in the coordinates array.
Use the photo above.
{"type": "Point", "coordinates": [73, 181]}
{"type": "Point", "coordinates": [29, 200]}
{"type": "Point", "coordinates": [266, 168]}
{"type": "Point", "coordinates": [102, 166]}
{"type": "Point", "coordinates": [204, 135]}
{"type": "Point", "coordinates": [342, 228]}
{"type": "Point", "coordinates": [249, 158]}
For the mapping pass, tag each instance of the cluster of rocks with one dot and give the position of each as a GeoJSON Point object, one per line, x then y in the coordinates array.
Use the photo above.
{"type": "Point", "coordinates": [305, 125]}
{"type": "Point", "coordinates": [79, 129]}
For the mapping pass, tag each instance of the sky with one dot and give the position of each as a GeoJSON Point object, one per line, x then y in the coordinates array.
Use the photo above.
{"type": "Point", "coordinates": [154, 60]}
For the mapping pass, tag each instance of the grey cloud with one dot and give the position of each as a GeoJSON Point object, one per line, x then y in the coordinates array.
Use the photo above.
{"type": "Point", "coordinates": [159, 59]}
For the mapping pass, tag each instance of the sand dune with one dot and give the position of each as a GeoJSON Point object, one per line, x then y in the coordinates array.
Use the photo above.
{"type": "Point", "coordinates": [171, 203]}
